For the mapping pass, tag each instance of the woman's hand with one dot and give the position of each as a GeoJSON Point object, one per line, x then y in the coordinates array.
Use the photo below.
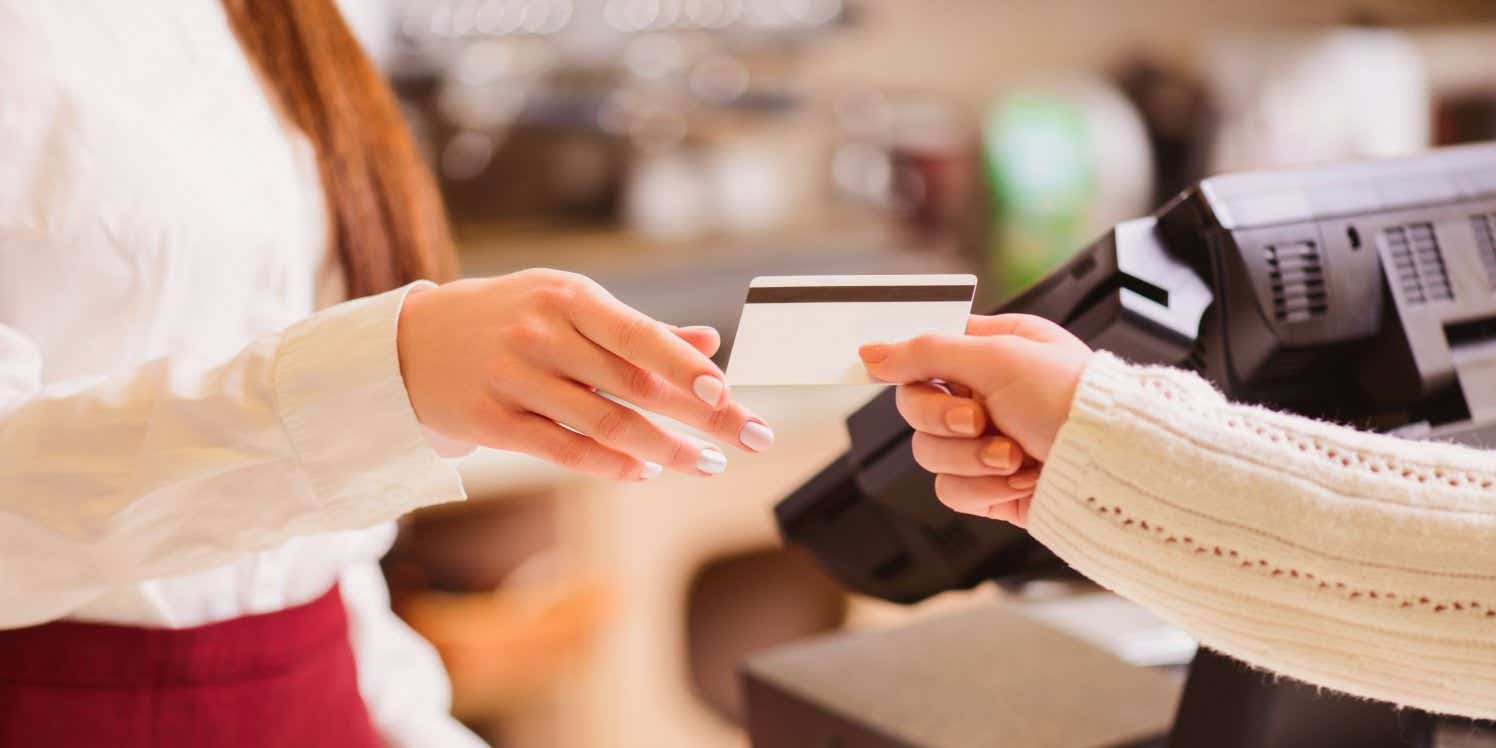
{"type": "Point", "coordinates": [1019, 370]}
{"type": "Point", "coordinates": [505, 362]}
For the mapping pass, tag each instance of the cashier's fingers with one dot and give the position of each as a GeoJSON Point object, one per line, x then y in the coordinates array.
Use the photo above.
{"type": "Point", "coordinates": [932, 409]}
{"type": "Point", "coordinates": [976, 495]}
{"type": "Point", "coordinates": [543, 438]}
{"type": "Point", "coordinates": [647, 344]}
{"type": "Point", "coordinates": [702, 338]}
{"type": "Point", "coordinates": [993, 455]}
{"type": "Point", "coordinates": [602, 370]}
{"type": "Point", "coordinates": [621, 428]}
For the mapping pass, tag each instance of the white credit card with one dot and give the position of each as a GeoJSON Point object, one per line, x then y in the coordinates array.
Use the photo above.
{"type": "Point", "coordinates": [806, 329]}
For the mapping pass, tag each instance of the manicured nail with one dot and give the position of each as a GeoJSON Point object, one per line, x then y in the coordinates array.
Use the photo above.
{"type": "Point", "coordinates": [962, 420]}
{"type": "Point", "coordinates": [711, 461]}
{"type": "Point", "coordinates": [1023, 482]}
{"type": "Point", "coordinates": [999, 454]}
{"type": "Point", "coordinates": [756, 436]}
{"type": "Point", "coordinates": [709, 389]}
{"type": "Point", "coordinates": [652, 470]}
{"type": "Point", "coordinates": [874, 353]}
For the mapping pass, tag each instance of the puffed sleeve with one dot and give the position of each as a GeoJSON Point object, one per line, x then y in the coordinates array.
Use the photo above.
{"type": "Point", "coordinates": [180, 465]}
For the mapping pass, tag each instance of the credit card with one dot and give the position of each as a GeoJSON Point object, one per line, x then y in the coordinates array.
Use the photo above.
{"type": "Point", "coordinates": [806, 329]}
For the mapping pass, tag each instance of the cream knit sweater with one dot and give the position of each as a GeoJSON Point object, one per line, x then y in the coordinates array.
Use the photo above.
{"type": "Point", "coordinates": [1355, 561]}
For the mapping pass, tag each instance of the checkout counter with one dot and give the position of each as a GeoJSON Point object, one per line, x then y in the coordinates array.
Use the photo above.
{"type": "Point", "coordinates": [1362, 293]}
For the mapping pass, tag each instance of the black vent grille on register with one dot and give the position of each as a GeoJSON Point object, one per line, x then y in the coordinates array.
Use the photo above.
{"type": "Point", "coordinates": [1418, 263]}
{"type": "Point", "coordinates": [1298, 278]}
{"type": "Point", "coordinates": [1196, 360]}
{"type": "Point", "coordinates": [1485, 244]}
{"type": "Point", "coordinates": [953, 539]}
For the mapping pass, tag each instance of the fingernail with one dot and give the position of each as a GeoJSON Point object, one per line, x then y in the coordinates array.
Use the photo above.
{"type": "Point", "coordinates": [711, 461]}
{"type": "Point", "coordinates": [962, 421]}
{"type": "Point", "coordinates": [699, 328]}
{"type": "Point", "coordinates": [652, 470]}
{"type": "Point", "coordinates": [756, 436]}
{"type": "Point", "coordinates": [708, 388]}
{"type": "Point", "coordinates": [1000, 454]}
{"type": "Point", "coordinates": [1023, 482]}
{"type": "Point", "coordinates": [874, 353]}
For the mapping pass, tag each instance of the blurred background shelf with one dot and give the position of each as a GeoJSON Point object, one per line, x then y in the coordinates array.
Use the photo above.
{"type": "Point", "coordinates": [699, 283]}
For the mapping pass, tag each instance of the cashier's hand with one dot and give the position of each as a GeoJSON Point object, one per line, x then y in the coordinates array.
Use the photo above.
{"type": "Point", "coordinates": [517, 363]}
{"type": "Point", "coordinates": [1018, 370]}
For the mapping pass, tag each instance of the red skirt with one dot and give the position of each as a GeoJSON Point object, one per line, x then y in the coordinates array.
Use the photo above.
{"type": "Point", "coordinates": [279, 679]}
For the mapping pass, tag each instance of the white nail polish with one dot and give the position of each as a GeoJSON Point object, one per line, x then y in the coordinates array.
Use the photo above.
{"type": "Point", "coordinates": [708, 388]}
{"type": "Point", "coordinates": [711, 461]}
{"type": "Point", "coordinates": [756, 436]}
{"type": "Point", "coordinates": [652, 470]}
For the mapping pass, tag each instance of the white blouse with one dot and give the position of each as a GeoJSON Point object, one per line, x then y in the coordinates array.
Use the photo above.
{"type": "Point", "coordinates": [182, 439]}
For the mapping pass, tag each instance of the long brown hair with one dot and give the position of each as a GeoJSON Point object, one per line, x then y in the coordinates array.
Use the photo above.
{"type": "Point", "coordinates": [386, 212]}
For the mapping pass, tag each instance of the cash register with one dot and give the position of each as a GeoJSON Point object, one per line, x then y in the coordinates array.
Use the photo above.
{"type": "Point", "coordinates": [1362, 293]}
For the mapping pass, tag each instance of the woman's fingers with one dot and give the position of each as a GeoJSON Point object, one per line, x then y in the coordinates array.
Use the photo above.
{"type": "Point", "coordinates": [647, 344]}
{"type": "Point", "coordinates": [977, 495]}
{"type": "Point", "coordinates": [993, 455]}
{"type": "Point", "coordinates": [543, 438]}
{"type": "Point", "coordinates": [1015, 511]}
{"type": "Point", "coordinates": [1005, 498]}
{"type": "Point", "coordinates": [621, 428]}
{"type": "Point", "coordinates": [1025, 479]}
{"type": "Point", "coordinates": [1037, 329]}
{"type": "Point", "coordinates": [933, 410]}
{"type": "Point", "coordinates": [590, 365]}
{"type": "Point", "coordinates": [955, 388]}
{"type": "Point", "coordinates": [981, 363]}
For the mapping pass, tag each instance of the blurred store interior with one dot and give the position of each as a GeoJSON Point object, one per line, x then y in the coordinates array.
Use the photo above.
{"type": "Point", "coordinates": [674, 149]}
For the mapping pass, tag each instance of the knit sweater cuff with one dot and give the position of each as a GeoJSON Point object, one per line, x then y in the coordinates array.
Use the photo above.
{"type": "Point", "coordinates": [1301, 547]}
